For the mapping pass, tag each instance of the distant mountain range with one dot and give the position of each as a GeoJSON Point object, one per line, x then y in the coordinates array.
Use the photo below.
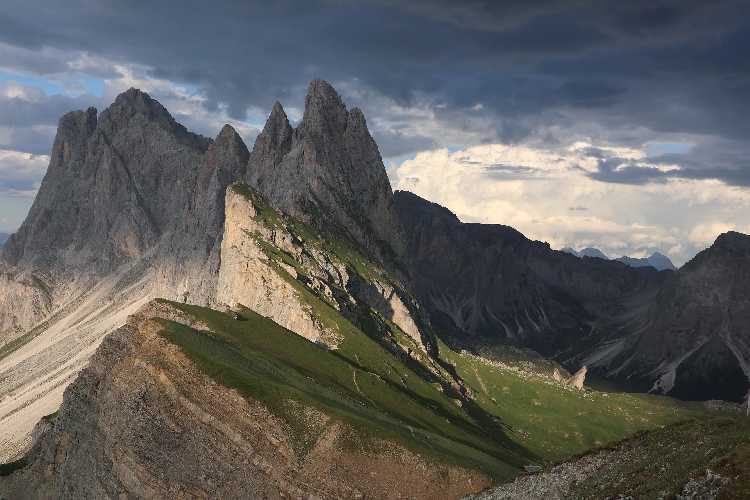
{"type": "Point", "coordinates": [3, 238]}
{"type": "Point", "coordinates": [657, 260]}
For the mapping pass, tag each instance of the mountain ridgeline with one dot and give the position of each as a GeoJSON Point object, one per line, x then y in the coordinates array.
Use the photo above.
{"type": "Point", "coordinates": [657, 260]}
{"type": "Point", "coordinates": [132, 185]}
{"type": "Point", "coordinates": [327, 304]}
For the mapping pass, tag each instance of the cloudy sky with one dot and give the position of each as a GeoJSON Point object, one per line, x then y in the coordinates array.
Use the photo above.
{"type": "Point", "coordinates": [623, 125]}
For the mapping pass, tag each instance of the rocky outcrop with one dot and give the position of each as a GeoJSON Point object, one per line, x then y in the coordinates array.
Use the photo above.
{"type": "Point", "coordinates": [248, 276]}
{"type": "Point", "coordinates": [131, 207]}
{"type": "Point", "coordinates": [24, 299]}
{"type": "Point", "coordinates": [142, 421]}
{"type": "Point", "coordinates": [267, 259]}
{"type": "Point", "coordinates": [327, 172]}
{"type": "Point", "coordinates": [578, 378]}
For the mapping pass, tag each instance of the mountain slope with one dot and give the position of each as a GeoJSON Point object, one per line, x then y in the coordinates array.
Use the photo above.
{"type": "Point", "coordinates": [184, 399]}
{"type": "Point", "coordinates": [692, 341]}
{"type": "Point", "coordinates": [487, 284]}
{"type": "Point", "coordinates": [679, 333]}
{"type": "Point", "coordinates": [362, 372]}
{"type": "Point", "coordinates": [144, 420]}
{"type": "Point", "coordinates": [704, 458]}
{"type": "Point", "coordinates": [131, 208]}
{"type": "Point", "coordinates": [656, 260]}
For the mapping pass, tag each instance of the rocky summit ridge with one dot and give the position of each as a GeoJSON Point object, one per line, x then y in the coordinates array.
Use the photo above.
{"type": "Point", "coordinates": [328, 171]}
{"type": "Point", "coordinates": [133, 207]}
{"type": "Point", "coordinates": [139, 222]}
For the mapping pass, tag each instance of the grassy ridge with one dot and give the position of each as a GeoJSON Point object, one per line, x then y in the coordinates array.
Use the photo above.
{"type": "Point", "coordinates": [365, 386]}
{"type": "Point", "coordinates": [277, 367]}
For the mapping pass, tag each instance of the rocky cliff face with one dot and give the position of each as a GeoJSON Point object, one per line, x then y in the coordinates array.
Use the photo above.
{"type": "Point", "coordinates": [486, 284]}
{"type": "Point", "coordinates": [327, 172]}
{"type": "Point", "coordinates": [131, 207]}
{"type": "Point", "coordinates": [267, 255]}
{"type": "Point", "coordinates": [692, 341]}
{"type": "Point", "coordinates": [679, 333]}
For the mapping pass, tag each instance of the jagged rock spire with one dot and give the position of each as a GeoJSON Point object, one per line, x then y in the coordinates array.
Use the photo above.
{"type": "Point", "coordinates": [274, 141]}
{"type": "Point", "coordinates": [134, 109]}
{"type": "Point", "coordinates": [328, 171]}
{"type": "Point", "coordinates": [325, 116]}
{"type": "Point", "coordinates": [73, 131]}
{"type": "Point", "coordinates": [229, 142]}
{"type": "Point", "coordinates": [277, 127]}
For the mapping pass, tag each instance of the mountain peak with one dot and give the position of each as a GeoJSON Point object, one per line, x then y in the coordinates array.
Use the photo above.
{"type": "Point", "coordinates": [734, 242]}
{"type": "Point", "coordinates": [593, 252]}
{"type": "Point", "coordinates": [273, 142]}
{"type": "Point", "coordinates": [321, 88]}
{"type": "Point", "coordinates": [135, 108]}
{"type": "Point", "coordinates": [278, 110]}
{"type": "Point", "coordinates": [325, 113]}
{"type": "Point", "coordinates": [277, 125]}
{"type": "Point", "coordinates": [229, 140]}
{"type": "Point", "coordinates": [228, 133]}
{"type": "Point", "coordinates": [329, 165]}
{"type": "Point", "coordinates": [140, 101]}
{"type": "Point", "coordinates": [135, 101]}
{"type": "Point", "coordinates": [73, 131]}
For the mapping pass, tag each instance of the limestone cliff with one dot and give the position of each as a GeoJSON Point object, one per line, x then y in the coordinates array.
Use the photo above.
{"type": "Point", "coordinates": [268, 259]}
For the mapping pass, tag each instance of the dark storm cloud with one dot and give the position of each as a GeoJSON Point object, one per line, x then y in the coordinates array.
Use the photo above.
{"type": "Point", "coordinates": [398, 143]}
{"type": "Point", "coordinates": [30, 123]}
{"type": "Point", "coordinates": [622, 171]}
{"type": "Point", "coordinates": [669, 66]}
{"type": "Point", "coordinates": [731, 167]}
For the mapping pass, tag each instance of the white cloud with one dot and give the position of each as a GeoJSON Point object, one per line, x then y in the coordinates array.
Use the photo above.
{"type": "Point", "coordinates": [704, 234]}
{"type": "Point", "coordinates": [21, 173]}
{"type": "Point", "coordinates": [547, 195]}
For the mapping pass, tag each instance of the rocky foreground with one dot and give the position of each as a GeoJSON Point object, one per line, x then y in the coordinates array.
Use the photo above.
{"type": "Point", "coordinates": [702, 459]}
